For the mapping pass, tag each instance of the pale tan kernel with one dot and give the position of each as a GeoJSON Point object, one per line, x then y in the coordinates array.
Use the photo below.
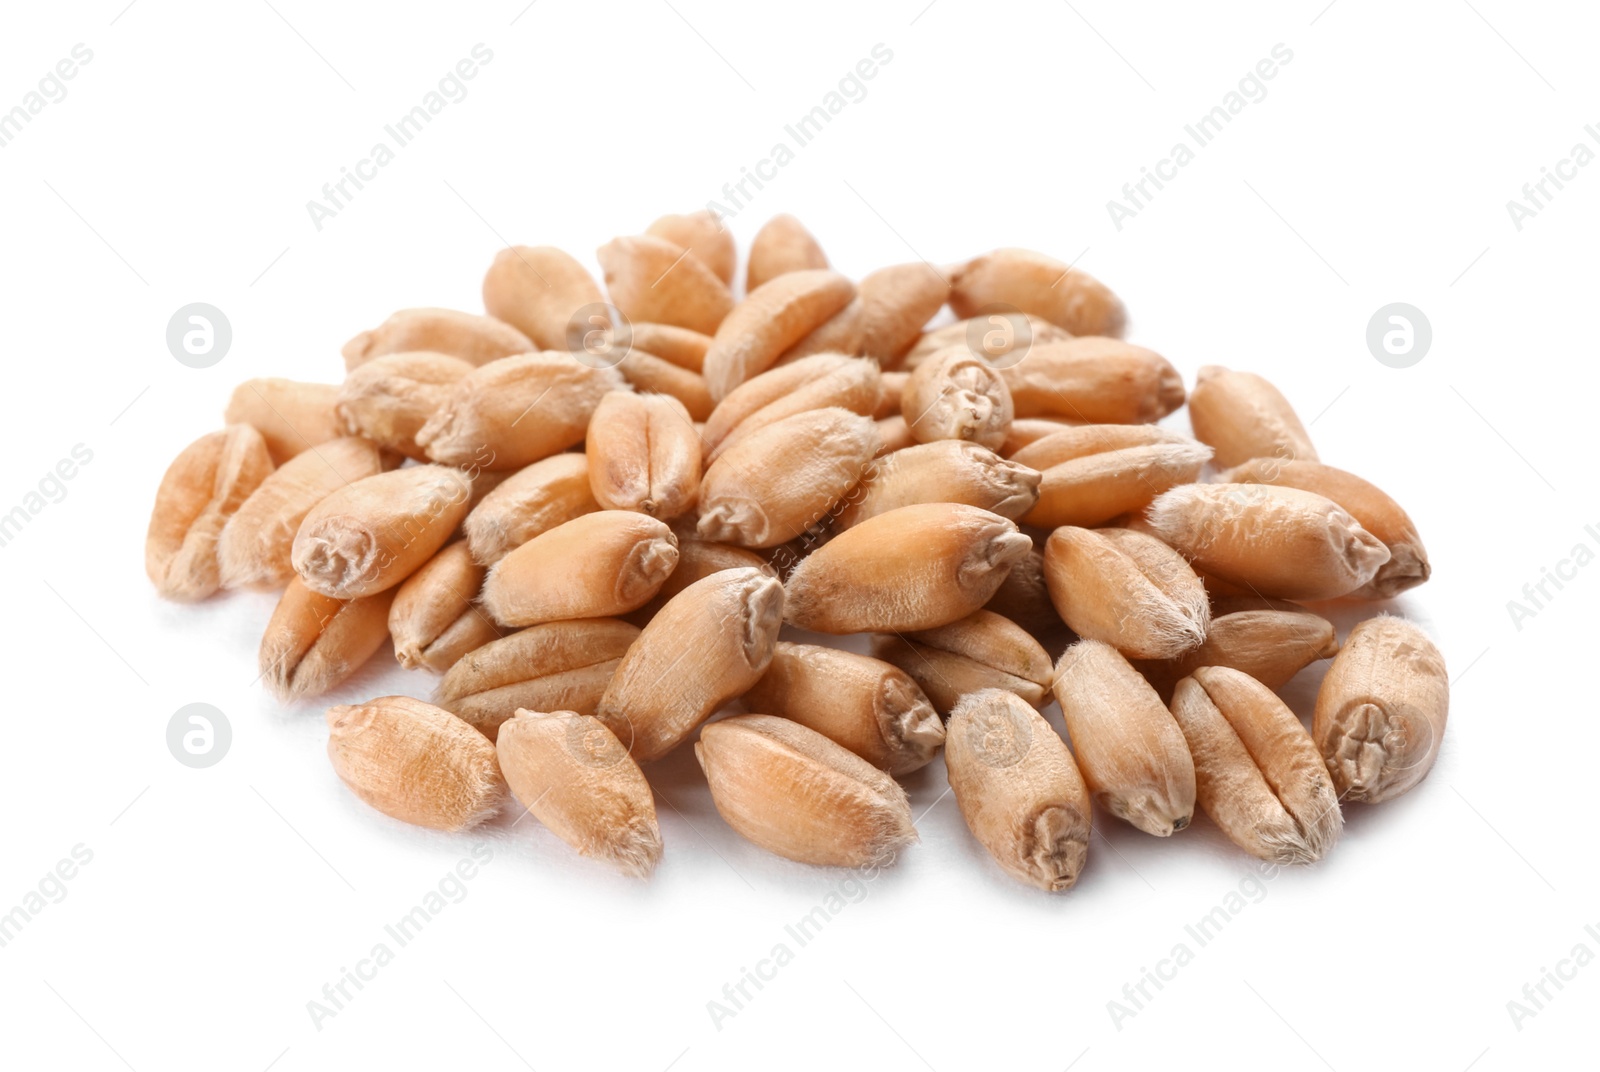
{"type": "Point", "coordinates": [778, 481]}
{"type": "Point", "coordinates": [644, 454]}
{"type": "Point", "coordinates": [652, 279]}
{"type": "Point", "coordinates": [1273, 541]}
{"type": "Point", "coordinates": [704, 236]}
{"type": "Point", "coordinates": [1019, 789]}
{"type": "Point", "coordinates": [390, 398]}
{"type": "Point", "coordinates": [515, 411]}
{"type": "Point", "coordinates": [1243, 417]}
{"type": "Point", "coordinates": [291, 416]}
{"type": "Point", "coordinates": [954, 395]}
{"type": "Point", "coordinates": [1131, 751]}
{"type": "Point", "coordinates": [1094, 380]}
{"type": "Point", "coordinates": [782, 245]}
{"type": "Point", "coordinates": [435, 619]}
{"type": "Point", "coordinates": [539, 290]}
{"type": "Point", "coordinates": [1127, 589]}
{"type": "Point", "coordinates": [1257, 772]}
{"type": "Point", "coordinates": [474, 339]}
{"type": "Point", "coordinates": [1379, 514]}
{"type": "Point", "coordinates": [981, 651]}
{"type": "Point", "coordinates": [1381, 711]}
{"type": "Point", "coordinates": [949, 470]}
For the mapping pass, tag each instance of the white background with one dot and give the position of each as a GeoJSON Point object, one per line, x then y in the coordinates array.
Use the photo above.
{"type": "Point", "coordinates": [1377, 169]}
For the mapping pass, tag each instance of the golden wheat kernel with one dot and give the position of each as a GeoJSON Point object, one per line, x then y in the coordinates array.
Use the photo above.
{"type": "Point", "coordinates": [558, 666]}
{"type": "Point", "coordinates": [980, 651]}
{"type": "Point", "coordinates": [514, 411]}
{"type": "Point", "coordinates": [376, 532]}
{"type": "Point", "coordinates": [644, 455]}
{"type": "Point", "coordinates": [1094, 380]}
{"type": "Point", "coordinates": [917, 567]}
{"type": "Point", "coordinates": [254, 550]}
{"type": "Point", "coordinates": [1243, 417]}
{"type": "Point", "coordinates": [950, 470]}
{"type": "Point", "coordinates": [708, 645]}
{"type": "Point", "coordinates": [528, 502]}
{"type": "Point", "coordinates": [1379, 514]}
{"type": "Point", "coordinates": [704, 236]}
{"type": "Point", "coordinates": [315, 642]}
{"type": "Point", "coordinates": [864, 704]}
{"type": "Point", "coordinates": [793, 792]}
{"type": "Point", "coordinates": [390, 398]}
{"type": "Point", "coordinates": [768, 321]}
{"type": "Point", "coordinates": [785, 478]}
{"type": "Point", "coordinates": [1026, 430]}
{"type": "Point", "coordinates": [815, 382]}
{"type": "Point", "coordinates": [435, 619]}
{"type": "Point", "coordinates": [1127, 589]}
{"type": "Point", "coordinates": [577, 779]}
{"type": "Point", "coordinates": [1092, 474]}
{"type": "Point", "coordinates": [200, 492]}
{"type": "Point", "coordinates": [1039, 284]}
{"type": "Point", "coordinates": [597, 565]}
{"type": "Point", "coordinates": [885, 318]}
{"type": "Point", "coordinates": [651, 279]}
{"type": "Point", "coordinates": [670, 343]}
{"type": "Point", "coordinates": [1271, 644]}
{"type": "Point", "coordinates": [415, 762]}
